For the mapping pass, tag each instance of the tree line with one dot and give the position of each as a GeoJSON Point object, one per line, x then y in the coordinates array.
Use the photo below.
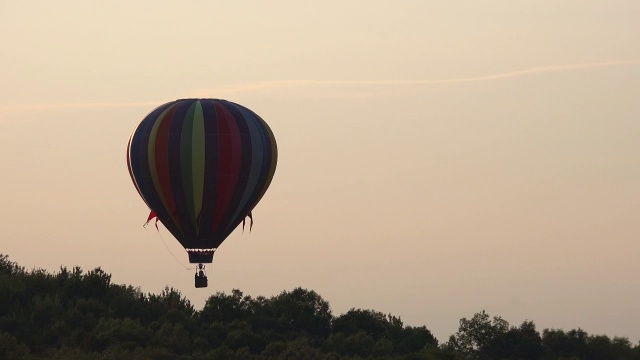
{"type": "Point", "coordinates": [72, 314]}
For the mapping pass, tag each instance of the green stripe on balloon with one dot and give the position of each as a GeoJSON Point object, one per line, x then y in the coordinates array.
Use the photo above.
{"type": "Point", "coordinates": [186, 166]}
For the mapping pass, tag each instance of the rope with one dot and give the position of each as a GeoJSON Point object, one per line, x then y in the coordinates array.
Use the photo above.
{"type": "Point", "coordinates": [170, 252]}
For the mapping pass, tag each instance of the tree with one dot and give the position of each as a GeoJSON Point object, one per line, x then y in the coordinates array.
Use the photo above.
{"type": "Point", "coordinates": [125, 331]}
{"type": "Point", "coordinates": [302, 311]}
{"type": "Point", "coordinates": [480, 337]}
{"type": "Point", "coordinates": [415, 339]}
{"type": "Point", "coordinates": [560, 344]}
{"type": "Point", "coordinates": [372, 323]}
{"type": "Point", "coordinates": [11, 348]}
{"type": "Point", "coordinates": [523, 342]}
{"type": "Point", "coordinates": [226, 308]}
{"type": "Point", "coordinates": [9, 267]}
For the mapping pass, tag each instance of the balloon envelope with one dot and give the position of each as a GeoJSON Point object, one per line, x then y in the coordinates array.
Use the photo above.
{"type": "Point", "coordinates": [201, 165]}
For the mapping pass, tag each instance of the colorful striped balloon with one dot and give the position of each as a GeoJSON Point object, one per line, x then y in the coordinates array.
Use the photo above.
{"type": "Point", "coordinates": [201, 165]}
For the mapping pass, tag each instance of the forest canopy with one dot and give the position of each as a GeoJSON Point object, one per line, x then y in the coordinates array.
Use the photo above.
{"type": "Point", "coordinates": [73, 314]}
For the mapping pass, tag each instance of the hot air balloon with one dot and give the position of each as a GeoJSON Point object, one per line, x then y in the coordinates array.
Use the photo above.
{"type": "Point", "coordinates": [201, 166]}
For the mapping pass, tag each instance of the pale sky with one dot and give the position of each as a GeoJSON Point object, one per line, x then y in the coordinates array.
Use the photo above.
{"type": "Point", "coordinates": [436, 158]}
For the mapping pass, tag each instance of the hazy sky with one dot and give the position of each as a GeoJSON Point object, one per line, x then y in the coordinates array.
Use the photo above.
{"type": "Point", "coordinates": [436, 158]}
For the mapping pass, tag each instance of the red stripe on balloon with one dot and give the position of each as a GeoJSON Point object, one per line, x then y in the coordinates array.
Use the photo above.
{"type": "Point", "coordinates": [229, 150]}
{"type": "Point", "coordinates": [162, 163]}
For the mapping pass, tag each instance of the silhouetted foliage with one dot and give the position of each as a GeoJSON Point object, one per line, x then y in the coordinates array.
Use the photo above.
{"type": "Point", "coordinates": [76, 315]}
{"type": "Point", "coordinates": [483, 337]}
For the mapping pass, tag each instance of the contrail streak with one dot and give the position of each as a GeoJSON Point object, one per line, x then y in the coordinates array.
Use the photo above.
{"type": "Point", "coordinates": [282, 84]}
{"type": "Point", "coordinates": [293, 84]}
{"type": "Point", "coordinates": [79, 106]}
